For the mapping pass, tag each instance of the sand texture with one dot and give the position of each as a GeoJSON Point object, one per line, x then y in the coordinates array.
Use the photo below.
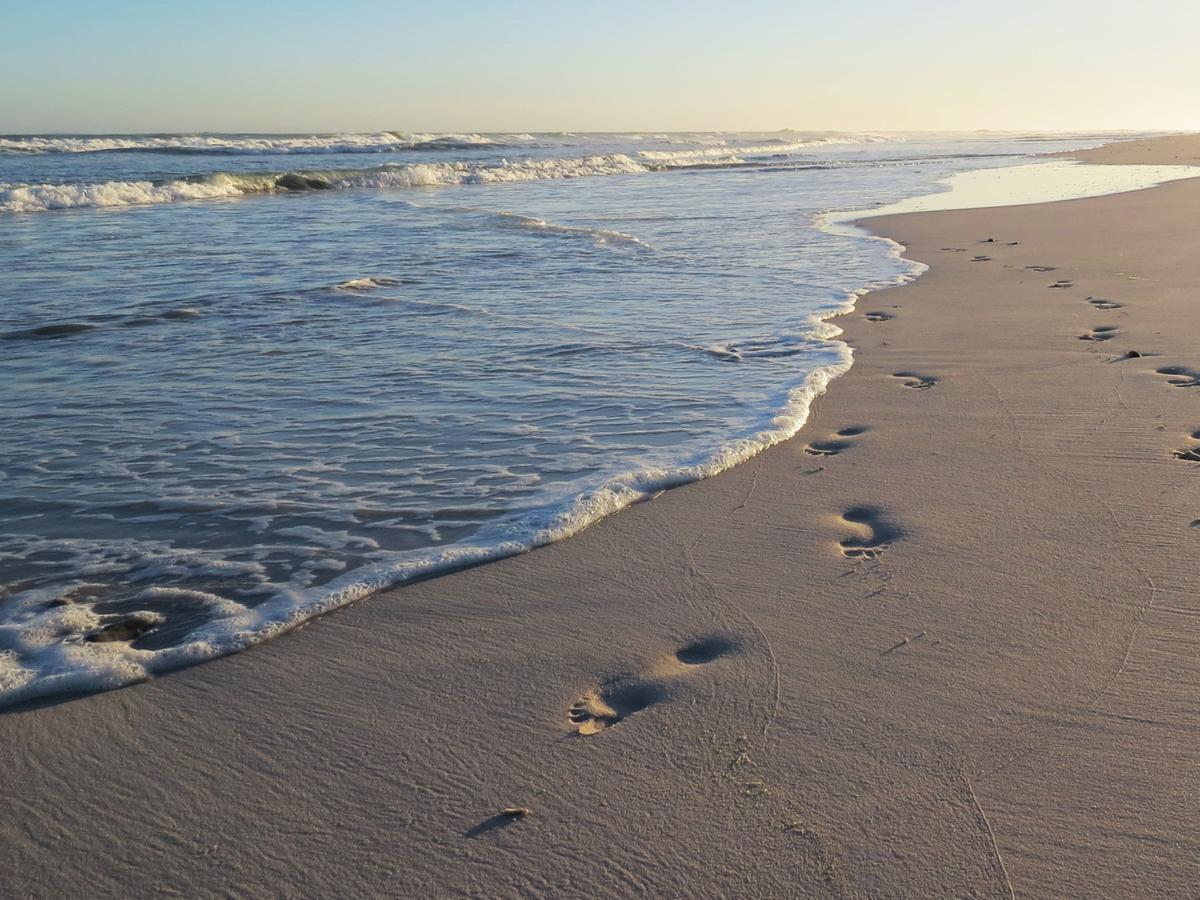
{"type": "Point", "coordinates": [1175, 150]}
{"type": "Point", "coordinates": [946, 642]}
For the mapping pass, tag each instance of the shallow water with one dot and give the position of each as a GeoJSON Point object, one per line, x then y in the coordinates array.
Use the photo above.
{"type": "Point", "coordinates": [245, 380]}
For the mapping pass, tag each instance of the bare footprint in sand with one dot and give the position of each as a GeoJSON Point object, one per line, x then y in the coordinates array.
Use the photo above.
{"type": "Point", "coordinates": [1062, 283]}
{"type": "Point", "coordinates": [609, 704]}
{"type": "Point", "coordinates": [705, 650]}
{"type": "Point", "coordinates": [827, 448]}
{"type": "Point", "coordinates": [1190, 454]}
{"type": "Point", "coordinates": [874, 533]}
{"type": "Point", "coordinates": [1042, 268]}
{"type": "Point", "coordinates": [1180, 376]}
{"type": "Point", "coordinates": [618, 699]}
{"type": "Point", "coordinates": [835, 444]}
{"type": "Point", "coordinates": [916, 381]}
{"type": "Point", "coordinates": [1100, 333]}
{"type": "Point", "coordinates": [981, 259]}
{"type": "Point", "coordinates": [1101, 303]}
{"type": "Point", "coordinates": [878, 316]}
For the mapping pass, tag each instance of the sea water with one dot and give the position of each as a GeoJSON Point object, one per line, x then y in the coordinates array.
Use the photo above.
{"type": "Point", "coordinates": [245, 379]}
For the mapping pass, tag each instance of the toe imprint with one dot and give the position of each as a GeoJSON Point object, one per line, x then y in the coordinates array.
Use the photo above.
{"type": "Point", "coordinates": [1180, 376]}
{"type": "Point", "coordinates": [1100, 333]}
{"type": "Point", "coordinates": [916, 381]}
{"type": "Point", "coordinates": [874, 533]}
{"type": "Point", "coordinates": [827, 448]}
{"type": "Point", "coordinates": [603, 707]}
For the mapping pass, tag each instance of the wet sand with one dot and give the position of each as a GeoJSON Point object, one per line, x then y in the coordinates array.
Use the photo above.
{"type": "Point", "coordinates": [946, 642]}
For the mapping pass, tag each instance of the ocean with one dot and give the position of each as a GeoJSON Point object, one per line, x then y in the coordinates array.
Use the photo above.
{"type": "Point", "coordinates": [246, 379]}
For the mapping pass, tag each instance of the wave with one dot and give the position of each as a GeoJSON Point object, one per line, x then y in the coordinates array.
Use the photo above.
{"type": "Point", "coordinates": [357, 285]}
{"type": "Point", "coordinates": [597, 235]}
{"type": "Point", "coordinates": [724, 151]}
{"type": "Point", "coordinates": [376, 142]}
{"type": "Point", "coordinates": [54, 643]}
{"type": "Point", "coordinates": [27, 197]}
{"type": "Point", "coordinates": [16, 198]}
{"type": "Point", "coordinates": [36, 661]}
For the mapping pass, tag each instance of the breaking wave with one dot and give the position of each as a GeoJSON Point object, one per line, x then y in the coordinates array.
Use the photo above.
{"type": "Point", "coordinates": [724, 152]}
{"type": "Point", "coordinates": [24, 197]}
{"type": "Point", "coordinates": [16, 198]}
{"type": "Point", "coordinates": [377, 142]}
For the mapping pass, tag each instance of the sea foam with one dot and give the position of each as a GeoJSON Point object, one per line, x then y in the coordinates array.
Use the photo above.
{"type": "Point", "coordinates": [377, 142]}
{"type": "Point", "coordinates": [24, 198]}
{"type": "Point", "coordinates": [352, 395]}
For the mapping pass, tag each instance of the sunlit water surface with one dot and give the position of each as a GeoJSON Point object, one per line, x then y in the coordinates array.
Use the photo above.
{"type": "Point", "coordinates": [247, 381]}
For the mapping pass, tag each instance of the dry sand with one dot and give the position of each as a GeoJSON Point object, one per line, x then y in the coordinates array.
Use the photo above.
{"type": "Point", "coordinates": [958, 656]}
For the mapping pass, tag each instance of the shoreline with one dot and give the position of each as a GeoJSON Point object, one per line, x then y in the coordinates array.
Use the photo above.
{"type": "Point", "coordinates": [912, 662]}
{"type": "Point", "coordinates": [515, 532]}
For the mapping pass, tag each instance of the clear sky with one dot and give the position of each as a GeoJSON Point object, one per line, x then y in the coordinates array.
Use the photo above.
{"type": "Point", "coordinates": [573, 65]}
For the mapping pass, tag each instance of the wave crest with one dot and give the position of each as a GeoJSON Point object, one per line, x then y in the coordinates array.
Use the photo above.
{"type": "Point", "coordinates": [17, 198]}
{"type": "Point", "coordinates": [377, 142]}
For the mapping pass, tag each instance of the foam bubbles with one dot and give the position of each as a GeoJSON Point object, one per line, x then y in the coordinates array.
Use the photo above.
{"type": "Point", "coordinates": [350, 390]}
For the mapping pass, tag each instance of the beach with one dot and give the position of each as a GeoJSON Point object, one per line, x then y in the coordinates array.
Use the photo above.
{"type": "Point", "coordinates": [941, 643]}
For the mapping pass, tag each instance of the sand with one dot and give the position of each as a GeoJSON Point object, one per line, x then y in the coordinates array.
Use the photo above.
{"type": "Point", "coordinates": [1179, 149]}
{"type": "Point", "coordinates": [953, 653]}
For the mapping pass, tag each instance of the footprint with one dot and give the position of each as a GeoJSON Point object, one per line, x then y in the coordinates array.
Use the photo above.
{"type": "Point", "coordinates": [1101, 303]}
{"type": "Point", "coordinates": [878, 316]}
{"type": "Point", "coordinates": [1062, 283]}
{"type": "Point", "coordinates": [619, 698]}
{"type": "Point", "coordinates": [955, 249]}
{"type": "Point", "coordinates": [1100, 333]}
{"type": "Point", "coordinates": [981, 259]}
{"type": "Point", "coordinates": [609, 704]}
{"type": "Point", "coordinates": [1179, 376]}
{"type": "Point", "coordinates": [705, 650]}
{"type": "Point", "coordinates": [917, 381]}
{"type": "Point", "coordinates": [1190, 454]}
{"type": "Point", "coordinates": [1042, 268]}
{"type": "Point", "coordinates": [874, 536]}
{"type": "Point", "coordinates": [827, 448]}
{"type": "Point", "coordinates": [833, 446]}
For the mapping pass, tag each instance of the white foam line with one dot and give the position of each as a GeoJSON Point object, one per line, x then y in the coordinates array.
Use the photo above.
{"type": "Point", "coordinates": [253, 144]}
{"type": "Point", "coordinates": [40, 664]}
{"type": "Point", "coordinates": [36, 663]}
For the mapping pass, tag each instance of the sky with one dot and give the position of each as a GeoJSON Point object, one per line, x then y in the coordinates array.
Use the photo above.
{"type": "Point", "coordinates": [573, 65]}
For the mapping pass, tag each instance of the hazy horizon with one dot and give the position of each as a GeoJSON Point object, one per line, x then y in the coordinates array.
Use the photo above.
{"type": "Point", "coordinates": [534, 66]}
{"type": "Point", "coordinates": [616, 132]}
